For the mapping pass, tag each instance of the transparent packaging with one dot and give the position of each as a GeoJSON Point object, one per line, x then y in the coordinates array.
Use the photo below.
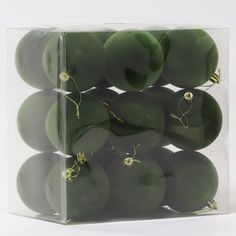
{"type": "Point", "coordinates": [118, 122]}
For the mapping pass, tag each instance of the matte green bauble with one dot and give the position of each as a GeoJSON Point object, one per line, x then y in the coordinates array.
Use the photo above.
{"type": "Point", "coordinates": [31, 180]}
{"type": "Point", "coordinates": [135, 190]}
{"type": "Point", "coordinates": [137, 121]}
{"type": "Point", "coordinates": [160, 82]}
{"type": "Point", "coordinates": [77, 125]}
{"type": "Point", "coordinates": [80, 55]}
{"type": "Point", "coordinates": [161, 96]}
{"type": "Point", "coordinates": [193, 182]}
{"type": "Point", "coordinates": [194, 119]}
{"type": "Point", "coordinates": [134, 60]}
{"type": "Point", "coordinates": [103, 83]}
{"type": "Point", "coordinates": [31, 120]}
{"type": "Point", "coordinates": [104, 156]}
{"type": "Point", "coordinates": [162, 157]}
{"type": "Point", "coordinates": [104, 36]}
{"type": "Point", "coordinates": [103, 95]}
{"type": "Point", "coordinates": [28, 59]}
{"type": "Point", "coordinates": [192, 58]}
{"type": "Point", "coordinates": [161, 36]}
{"type": "Point", "coordinates": [86, 194]}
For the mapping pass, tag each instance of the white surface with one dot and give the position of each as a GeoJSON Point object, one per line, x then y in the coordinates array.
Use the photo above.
{"type": "Point", "coordinates": [181, 12]}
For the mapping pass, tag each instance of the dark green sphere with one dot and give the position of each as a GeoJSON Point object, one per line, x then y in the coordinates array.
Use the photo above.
{"type": "Point", "coordinates": [142, 122]}
{"type": "Point", "coordinates": [72, 134]}
{"type": "Point", "coordinates": [161, 96]}
{"type": "Point", "coordinates": [161, 156]}
{"type": "Point", "coordinates": [105, 156]}
{"type": "Point", "coordinates": [31, 120]}
{"type": "Point", "coordinates": [28, 59]}
{"type": "Point", "coordinates": [193, 181]}
{"type": "Point", "coordinates": [135, 190]}
{"type": "Point", "coordinates": [160, 82]}
{"type": "Point", "coordinates": [31, 180]}
{"type": "Point", "coordinates": [103, 83]}
{"type": "Point", "coordinates": [103, 95]}
{"type": "Point", "coordinates": [134, 60]}
{"type": "Point", "coordinates": [79, 54]}
{"type": "Point", "coordinates": [86, 195]}
{"type": "Point", "coordinates": [192, 58]}
{"type": "Point", "coordinates": [162, 37]}
{"type": "Point", "coordinates": [202, 123]}
{"type": "Point", "coordinates": [104, 35]}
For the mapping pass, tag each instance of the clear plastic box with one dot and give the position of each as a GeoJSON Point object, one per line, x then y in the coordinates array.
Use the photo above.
{"type": "Point", "coordinates": [118, 122]}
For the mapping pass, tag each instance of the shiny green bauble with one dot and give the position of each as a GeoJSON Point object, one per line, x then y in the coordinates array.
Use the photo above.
{"type": "Point", "coordinates": [28, 59]}
{"type": "Point", "coordinates": [192, 183]}
{"type": "Point", "coordinates": [135, 190]}
{"type": "Point", "coordinates": [137, 121]}
{"type": "Point", "coordinates": [192, 58]}
{"type": "Point", "coordinates": [103, 95]}
{"type": "Point", "coordinates": [31, 180]}
{"type": "Point", "coordinates": [73, 130]}
{"type": "Point", "coordinates": [134, 60]}
{"type": "Point", "coordinates": [85, 195]}
{"type": "Point", "coordinates": [161, 96]}
{"type": "Point", "coordinates": [80, 55]}
{"type": "Point", "coordinates": [193, 124]}
{"type": "Point", "coordinates": [31, 120]}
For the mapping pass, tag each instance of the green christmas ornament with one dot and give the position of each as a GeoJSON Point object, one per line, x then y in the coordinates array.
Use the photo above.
{"type": "Point", "coordinates": [137, 121]}
{"type": "Point", "coordinates": [77, 123]}
{"type": "Point", "coordinates": [81, 58]}
{"type": "Point", "coordinates": [194, 119]}
{"type": "Point", "coordinates": [87, 188]}
{"type": "Point", "coordinates": [31, 120]}
{"type": "Point", "coordinates": [162, 37]}
{"type": "Point", "coordinates": [161, 96]}
{"type": "Point", "coordinates": [162, 157]}
{"type": "Point", "coordinates": [160, 82]}
{"type": "Point", "coordinates": [192, 183]}
{"type": "Point", "coordinates": [104, 156]}
{"type": "Point", "coordinates": [136, 187]}
{"type": "Point", "coordinates": [103, 83]}
{"type": "Point", "coordinates": [104, 35]}
{"type": "Point", "coordinates": [103, 95]}
{"type": "Point", "coordinates": [31, 180]}
{"type": "Point", "coordinates": [192, 58]}
{"type": "Point", "coordinates": [134, 60]}
{"type": "Point", "coordinates": [28, 59]}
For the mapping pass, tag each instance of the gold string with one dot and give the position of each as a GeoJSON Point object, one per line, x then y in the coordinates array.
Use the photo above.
{"type": "Point", "coordinates": [188, 96]}
{"type": "Point", "coordinates": [65, 77]}
{"type": "Point", "coordinates": [211, 205]}
{"type": "Point", "coordinates": [130, 160]}
{"type": "Point", "coordinates": [73, 172]}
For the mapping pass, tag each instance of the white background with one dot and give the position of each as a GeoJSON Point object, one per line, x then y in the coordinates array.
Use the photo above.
{"type": "Point", "coordinates": [178, 12]}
